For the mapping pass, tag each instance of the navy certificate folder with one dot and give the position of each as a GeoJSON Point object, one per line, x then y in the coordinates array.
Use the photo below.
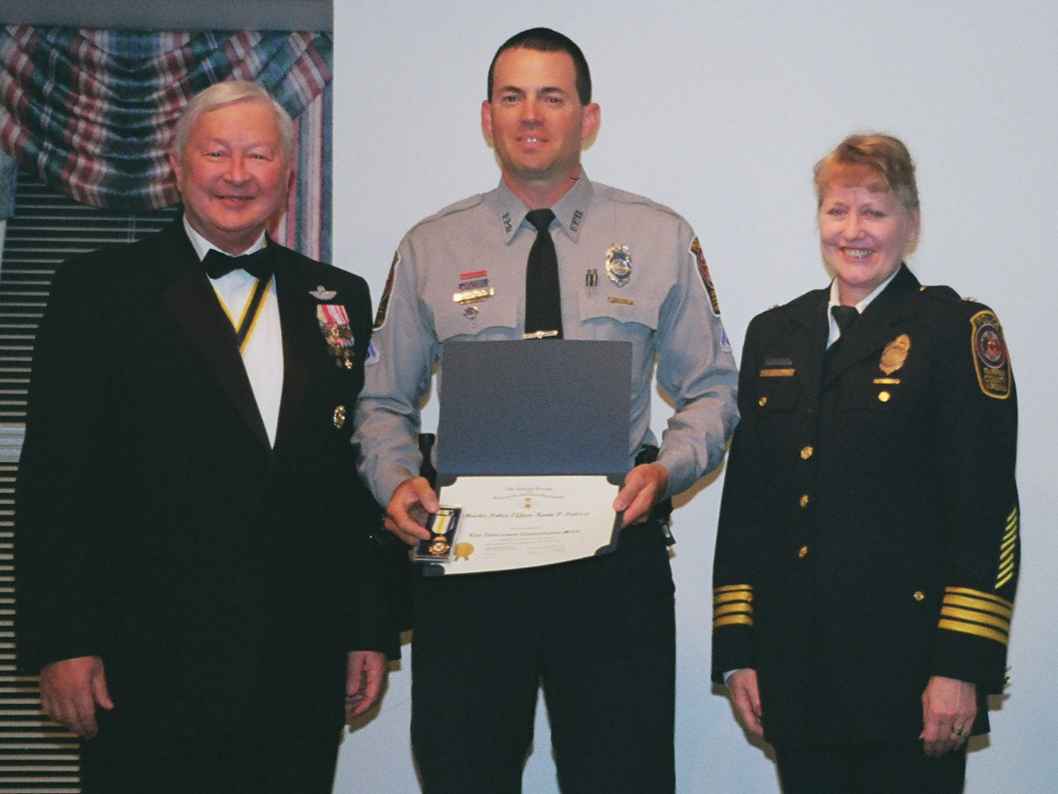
{"type": "Point", "coordinates": [544, 407]}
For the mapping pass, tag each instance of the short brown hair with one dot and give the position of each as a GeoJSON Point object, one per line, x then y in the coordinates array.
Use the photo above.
{"type": "Point", "coordinates": [883, 157]}
{"type": "Point", "coordinates": [547, 40]}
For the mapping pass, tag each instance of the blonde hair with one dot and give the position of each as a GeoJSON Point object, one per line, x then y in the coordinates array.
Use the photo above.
{"type": "Point", "coordinates": [861, 157]}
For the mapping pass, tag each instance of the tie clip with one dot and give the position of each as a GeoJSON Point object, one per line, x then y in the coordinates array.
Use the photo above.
{"type": "Point", "coordinates": [539, 334]}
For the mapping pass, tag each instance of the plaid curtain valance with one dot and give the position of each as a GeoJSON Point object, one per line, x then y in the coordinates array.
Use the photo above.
{"type": "Point", "coordinates": [92, 111]}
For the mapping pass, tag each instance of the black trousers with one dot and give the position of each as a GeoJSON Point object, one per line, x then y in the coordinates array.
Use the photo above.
{"type": "Point", "coordinates": [597, 634]}
{"type": "Point", "coordinates": [869, 769]}
{"type": "Point", "coordinates": [262, 759]}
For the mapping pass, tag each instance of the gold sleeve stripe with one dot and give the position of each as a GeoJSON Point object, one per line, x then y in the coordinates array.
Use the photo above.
{"type": "Point", "coordinates": [972, 628]}
{"type": "Point", "coordinates": [732, 609]}
{"type": "Point", "coordinates": [978, 604]}
{"type": "Point", "coordinates": [976, 617]}
{"type": "Point", "coordinates": [981, 594]}
{"type": "Point", "coordinates": [727, 597]}
{"type": "Point", "coordinates": [1008, 548]}
{"type": "Point", "coordinates": [1004, 576]}
{"type": "Point", "coordinates": [733, 620]}
{"type": "Point", "coordinates": [728, 588]}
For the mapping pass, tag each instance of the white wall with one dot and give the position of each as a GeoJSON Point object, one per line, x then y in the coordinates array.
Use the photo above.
{"type": "Point", "coordinates": [720, 110]}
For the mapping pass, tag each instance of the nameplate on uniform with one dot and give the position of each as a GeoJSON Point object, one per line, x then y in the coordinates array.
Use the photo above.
{"type": "Point", "coordinates": [532, 447]}
{"type": "Point", "coordinates": [777, 367]}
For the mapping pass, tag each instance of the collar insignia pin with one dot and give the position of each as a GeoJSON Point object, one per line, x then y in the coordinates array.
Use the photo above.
{"type": "Point", "coordinates": [321, 293]}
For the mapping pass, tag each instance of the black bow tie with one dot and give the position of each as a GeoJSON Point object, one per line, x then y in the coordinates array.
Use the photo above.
{"type": "Point", "coordinates": [257, 264]}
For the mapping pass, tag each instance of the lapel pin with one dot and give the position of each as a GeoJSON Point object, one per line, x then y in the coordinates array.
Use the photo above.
{"type": "Point", "coordinates": [321, 293]}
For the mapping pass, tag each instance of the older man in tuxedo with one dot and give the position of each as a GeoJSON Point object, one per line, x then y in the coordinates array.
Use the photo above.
{"type": "Point", "coordinates": [196, 586]}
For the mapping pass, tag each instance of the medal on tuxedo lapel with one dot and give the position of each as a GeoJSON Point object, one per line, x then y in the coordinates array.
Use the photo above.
{"type": "Point", "coordinates": [334, 325]}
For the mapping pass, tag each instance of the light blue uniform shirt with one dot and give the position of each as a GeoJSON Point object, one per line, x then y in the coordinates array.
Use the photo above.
{"type": "Point", "coordinates": [665, 307]}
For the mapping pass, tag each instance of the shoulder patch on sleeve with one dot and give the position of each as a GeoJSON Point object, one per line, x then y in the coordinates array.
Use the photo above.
{"type": "Point", "coordinates": [989, 352]}
{"type": "Point", "coordinates": [383, 303]}
{"type": "Point", "coordinates": [707, 280]}
{"type": "Point", "coordinates": [372, 354]}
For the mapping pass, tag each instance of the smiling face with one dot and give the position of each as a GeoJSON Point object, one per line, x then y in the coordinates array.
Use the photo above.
{"type": "Point", "coordinates": [535, 120]}
{"type": "Point", "coordinates": [233, 173]}
{"type": "Point", "coordinates": [865, 233]}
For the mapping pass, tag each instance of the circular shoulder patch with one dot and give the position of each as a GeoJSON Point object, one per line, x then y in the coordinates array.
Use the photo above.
{"type": "Point", "coordinates": [991, 360]}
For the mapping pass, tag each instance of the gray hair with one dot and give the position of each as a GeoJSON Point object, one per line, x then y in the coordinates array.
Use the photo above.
{"type": "Point", "coordinates": [229, 92]}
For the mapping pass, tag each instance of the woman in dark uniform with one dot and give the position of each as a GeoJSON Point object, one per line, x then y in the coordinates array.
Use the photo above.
{"type": "Point", "coordinates": [868, 548]}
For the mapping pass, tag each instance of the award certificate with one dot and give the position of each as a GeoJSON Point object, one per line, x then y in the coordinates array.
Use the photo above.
{"type": "Point", "coordinates": [523, 522]}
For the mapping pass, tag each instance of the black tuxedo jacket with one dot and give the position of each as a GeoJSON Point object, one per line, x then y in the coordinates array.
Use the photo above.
{"type": "Point", "coordinates": [868, 533]}
{"type": "Point", "coordinates": [157, 528]}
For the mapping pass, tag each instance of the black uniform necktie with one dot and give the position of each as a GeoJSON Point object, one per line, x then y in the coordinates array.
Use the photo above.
{"type": "Point", "coordinates": [845, 317]}
{"type": "Point", "coordinates": [257, 264]}
{"type": "Point", "coordinates": [543, 301]}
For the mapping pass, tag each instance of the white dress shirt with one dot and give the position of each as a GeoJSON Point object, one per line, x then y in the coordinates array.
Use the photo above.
{"type": "Point", "coordinates": [262, 350]}
{"type": "Point", "coordinates": [835, 331]}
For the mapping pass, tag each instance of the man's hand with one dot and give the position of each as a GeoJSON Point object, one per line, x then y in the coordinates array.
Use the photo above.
{"type": "Point", "coordinates": [363, 681]}
{"type": "Point", "coordinates": [71, 689]}
{"type": "Point", "coordinates": [643, 486]}
{"type": "Point", "coordinates": [407, 509]}
{"type": "Point", "coordinates": [949, 707]}
{"type": "Point", "coordinates": [745, 697]}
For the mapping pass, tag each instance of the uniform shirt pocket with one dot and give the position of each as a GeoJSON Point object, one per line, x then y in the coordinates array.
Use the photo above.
{"type": "Point", "coordinates": [600, 305]}
{"type": "Point", "coordinates": [453, 319]}
{"type": "Point", "coordinates": [777, 395]}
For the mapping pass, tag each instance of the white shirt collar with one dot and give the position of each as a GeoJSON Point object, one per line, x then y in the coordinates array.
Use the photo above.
{"type": "Point", "coordinates": [861, 307]}
{"type": "Point", "coordinates": [203, 246]}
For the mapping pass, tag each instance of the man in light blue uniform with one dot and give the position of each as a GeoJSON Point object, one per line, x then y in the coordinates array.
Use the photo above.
{"type": "Point", "coordinates": [597, 633]}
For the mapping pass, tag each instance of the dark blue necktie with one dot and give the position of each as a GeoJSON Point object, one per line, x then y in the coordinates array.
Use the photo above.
{"type": "Point", "coordinates": [543, 301]}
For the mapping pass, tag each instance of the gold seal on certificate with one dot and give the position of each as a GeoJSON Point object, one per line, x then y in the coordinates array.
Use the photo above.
{"type": "Point", "coordinates": [532, 447]}
{"type": "Point", "coordinates": [507, 523]}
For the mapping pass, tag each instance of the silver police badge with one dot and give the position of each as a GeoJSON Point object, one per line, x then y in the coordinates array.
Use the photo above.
{"type": "Point", "coordinates": [619, 264]}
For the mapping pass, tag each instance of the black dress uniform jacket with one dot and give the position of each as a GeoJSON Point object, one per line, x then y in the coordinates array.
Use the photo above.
{"type": "Point", "coordinates": [221, 580]}
{"type": "Point", "coordinates": [868, 533]}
